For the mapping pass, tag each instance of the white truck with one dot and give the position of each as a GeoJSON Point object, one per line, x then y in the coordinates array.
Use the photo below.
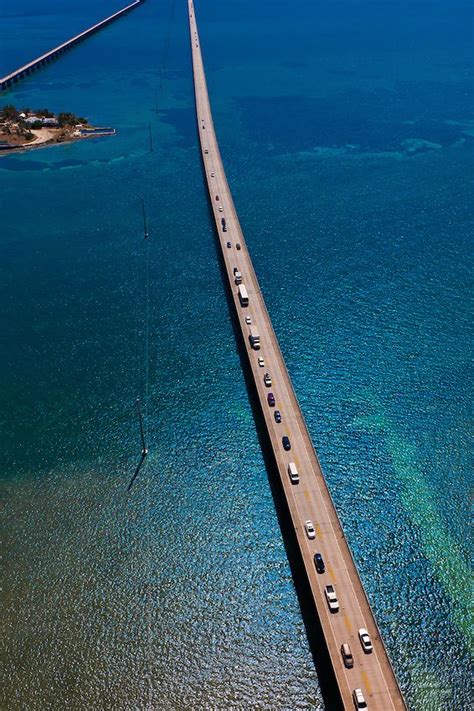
{"type": "Point", "coordinates": [254, 338]}
{"type": "Point", "coordinates": [243, 296]}
{"type": "Point", "coordinates": [293, 473]}
{"type": "Point", "coordinates": [331, 598]}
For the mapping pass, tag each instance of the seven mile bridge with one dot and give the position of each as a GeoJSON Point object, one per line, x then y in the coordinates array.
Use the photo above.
{"type": "Point", "coordinates": [362, 669]}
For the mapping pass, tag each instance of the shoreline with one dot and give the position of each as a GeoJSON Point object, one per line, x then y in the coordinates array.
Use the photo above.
{"type": "Point", "coordinates": [25, 148]}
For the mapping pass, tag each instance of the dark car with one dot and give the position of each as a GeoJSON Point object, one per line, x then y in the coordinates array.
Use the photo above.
{"type": "Point", "coordinates": [286, 443]}
{"type": "Point", "coordinates": [224, 229]}
{"type": "Point", "coordinates": [271, 399]}
{"type": "Point", "coordinates": [238, 245]}
{"type": "Point", "coordinates": [319, 563]}
{"type": "Point", "coordinates": [229, 245]}
{"type": "Point", "coordinates": [217, 197]}
{"type": "Point", "coordinates": [277, 416]}
{"type": "Point", "coordinates": [222, 221]}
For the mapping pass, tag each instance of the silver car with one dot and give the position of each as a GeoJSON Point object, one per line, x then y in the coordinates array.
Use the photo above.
{"type": "Point", "coordinates": [365, 640]}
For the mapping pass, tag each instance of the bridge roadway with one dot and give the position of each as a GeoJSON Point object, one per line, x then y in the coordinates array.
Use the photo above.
{"type": "Point", "coordinates": [310, 499]}
{"type": "Point", "coordinates": [7, 81]}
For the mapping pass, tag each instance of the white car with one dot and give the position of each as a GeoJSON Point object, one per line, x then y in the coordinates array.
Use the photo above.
{"type": "Point", "coordinates": [310, 532]}
{"type": "Point", "coordinates": [331, 598]}
{"type": "Point", "coordinates": [248, 320]}
{"type": "Point", "coordinates": [221, 209]}
{"type": "Point", "coordinates": [261, 362]}
{"type": "Point", "coordinates": [359, 701]}
{"type": "Point", "coordinates": [365, 640]}
{"type": "Point", "coordinates": [267, 380]}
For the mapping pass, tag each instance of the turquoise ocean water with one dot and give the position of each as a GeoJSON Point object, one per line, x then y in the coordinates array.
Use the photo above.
{"type": "Point", "coordinates": [347, 132]}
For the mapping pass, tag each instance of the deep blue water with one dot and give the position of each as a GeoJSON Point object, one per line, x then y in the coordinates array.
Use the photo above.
{"type": "Point", "coordinates": [347, 132]}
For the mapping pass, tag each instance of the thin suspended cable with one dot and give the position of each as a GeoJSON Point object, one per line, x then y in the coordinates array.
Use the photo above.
{"type": "Point", "coordinates": [147, 321]}
{"type": "Point", "coordinates": [144, 424]}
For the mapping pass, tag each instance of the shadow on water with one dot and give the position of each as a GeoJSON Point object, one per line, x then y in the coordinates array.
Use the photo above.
{"type": "Point", "coordinates": [317, 644]}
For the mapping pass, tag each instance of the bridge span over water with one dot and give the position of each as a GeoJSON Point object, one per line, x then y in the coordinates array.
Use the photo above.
{"type": "Point", "coordinates": [309, 499]}
{"type": "Point", "coordinates": [7, 81]}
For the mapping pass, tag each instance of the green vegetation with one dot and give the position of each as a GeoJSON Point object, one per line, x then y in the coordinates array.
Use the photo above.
{"type": "Point", "coordinates": [69, 119]}
{"type": "Point", "coordinates": [45, 113]}
{"type": "Point", "coordinates": [11, 113]}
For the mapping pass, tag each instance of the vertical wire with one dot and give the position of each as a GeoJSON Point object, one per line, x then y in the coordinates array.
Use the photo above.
{"type": "Point", "coordinates": [147, 332]}
{"type": "Point", "coordinates": [148, 611]}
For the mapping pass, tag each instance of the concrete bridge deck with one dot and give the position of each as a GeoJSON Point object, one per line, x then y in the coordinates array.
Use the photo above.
{"type": "Point", "coordinates": [7, 81]}
{"type": "Point", "coordinates": [310, 499]}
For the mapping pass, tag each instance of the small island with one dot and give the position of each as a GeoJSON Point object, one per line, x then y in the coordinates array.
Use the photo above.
{"type": "Point", "coordinates": [22, 129]}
